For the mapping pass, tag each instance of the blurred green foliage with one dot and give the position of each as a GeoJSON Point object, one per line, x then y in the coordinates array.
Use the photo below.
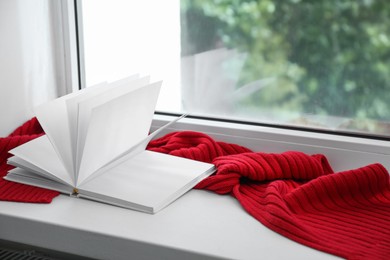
{"type": "Point", "coordinates": [330, 57]}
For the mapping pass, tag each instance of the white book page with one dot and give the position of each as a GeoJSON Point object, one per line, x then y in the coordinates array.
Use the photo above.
{"type": "Point", "coordinates": [57, 119]}
{"type": "Point", "coordinates": [117, 89]}
{"type": "Point", "coordinates": [133, 151]}
{"type": "Point", "coordinates": [117, 125]}
{"type": "Point", "coordinates": [53, 117]}
{"type": "Point", "coordinates": [29, 178]}
{"type": "Point", "coordinates": [149, 179]}
{"type": "Point", "coordinates": [41, 154]}
{"type": "Point", "coordinates": [19, 162]}
{"type": "Point", "coordinates": [73, 107]}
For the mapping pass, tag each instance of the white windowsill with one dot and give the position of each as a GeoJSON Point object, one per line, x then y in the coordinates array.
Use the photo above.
{"type": "Point", "coordinates": [199, 225]}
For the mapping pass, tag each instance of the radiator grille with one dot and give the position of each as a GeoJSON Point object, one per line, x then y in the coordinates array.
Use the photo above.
{"type": "Point", "coordinates": [10, 254]}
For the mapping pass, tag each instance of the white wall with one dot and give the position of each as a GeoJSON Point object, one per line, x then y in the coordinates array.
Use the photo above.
{"type": "Point", "coordinates": [28, 74]}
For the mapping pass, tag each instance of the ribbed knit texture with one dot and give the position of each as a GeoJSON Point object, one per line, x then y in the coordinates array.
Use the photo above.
{"type": "Point", "coordinates": [12, 191]}
{"type": "Point", "coordinates": [346, 214]}
{"type": "Point", "coordinates": [297, 195]}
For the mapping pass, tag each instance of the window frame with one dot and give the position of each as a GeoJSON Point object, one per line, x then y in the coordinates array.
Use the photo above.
{"type": "Point", "coordinates": [67, 25]}
{"type": "Point", "coordinates": [345, 150]}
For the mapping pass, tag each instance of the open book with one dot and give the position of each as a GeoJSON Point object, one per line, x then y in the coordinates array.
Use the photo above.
{"type": "Point", "coordinates": [94, 148]}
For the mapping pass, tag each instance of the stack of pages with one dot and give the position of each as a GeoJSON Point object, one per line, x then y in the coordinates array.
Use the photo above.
{"type": "Point", "coordinates": [94, 148]}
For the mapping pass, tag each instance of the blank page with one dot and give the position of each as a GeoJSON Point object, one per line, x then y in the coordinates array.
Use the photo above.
{"type": "Point", "coordinates": [85, 108]}
{"type": "Point", "coordinates": [116, 126]}
{"type": "Point", "coordinates": [40, 153]}
{"type": "Point", "coordinates": [150, 179]}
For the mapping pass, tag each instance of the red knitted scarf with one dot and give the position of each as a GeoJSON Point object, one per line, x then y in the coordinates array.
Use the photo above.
{"type": "Point", "coordinates": [12, 191]}
{"type": "Point", "coordinates": [297, 195]}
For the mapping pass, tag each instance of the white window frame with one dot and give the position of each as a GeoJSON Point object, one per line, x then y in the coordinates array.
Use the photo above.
{"type": "Point", "coordinates": [343, 152]}
{"type": "Point", "coordinates": [68, 51]}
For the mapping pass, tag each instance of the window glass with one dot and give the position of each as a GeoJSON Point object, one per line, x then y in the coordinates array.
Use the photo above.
{"type": "Point", "coordinates": [319, 64]}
